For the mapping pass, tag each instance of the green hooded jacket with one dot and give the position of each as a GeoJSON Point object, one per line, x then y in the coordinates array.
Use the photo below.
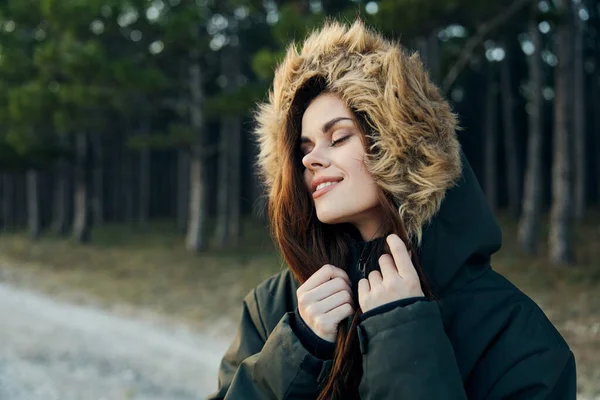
{"type": "Point", "coordinates": [481, 339]}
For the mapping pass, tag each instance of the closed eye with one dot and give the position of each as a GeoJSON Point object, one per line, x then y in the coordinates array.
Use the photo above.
{"type": "Point", "coordinates": [304, 152]}
{"type": "Point", "coordinates": [340, 140]}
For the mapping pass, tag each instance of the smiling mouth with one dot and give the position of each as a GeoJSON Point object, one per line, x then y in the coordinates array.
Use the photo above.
{"type": "Point", "coordinates": [324, 189]}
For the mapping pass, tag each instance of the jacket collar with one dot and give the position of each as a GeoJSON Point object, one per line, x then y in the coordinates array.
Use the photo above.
{"type": "Point", "coordinates": [457, 244]}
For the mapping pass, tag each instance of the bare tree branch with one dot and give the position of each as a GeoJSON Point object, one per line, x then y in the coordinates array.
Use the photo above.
{"type": "Point", "coordinates": [482, 31]}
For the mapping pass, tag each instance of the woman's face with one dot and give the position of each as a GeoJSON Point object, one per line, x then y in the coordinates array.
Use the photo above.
{"type": "Point", "coordinates": [333, 152]}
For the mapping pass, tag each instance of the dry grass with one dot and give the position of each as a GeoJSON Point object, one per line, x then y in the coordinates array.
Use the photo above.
{"type": "Point", "coordinates": [148, 268]}
{"type": "Point", "coordinates": [145, 268]}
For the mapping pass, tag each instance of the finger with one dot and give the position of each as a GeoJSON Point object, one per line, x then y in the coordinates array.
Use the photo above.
{"type": "Point", "coordinates": [327, 289]}
{"type": "Point", "coordinates": [325, 273]}
{"type": "Point", "coordinates": [332, 302]}
{"type": "Point", "coordinates": [401, 258]}
{"type": "Point", "coordinates": [341, 313]}
{"type": "Point", "coordinates": [375, 279]}
{"type": "Point", "coordinates": [387, 266]}
{"type": "Point", "coordinates": [363, 288]}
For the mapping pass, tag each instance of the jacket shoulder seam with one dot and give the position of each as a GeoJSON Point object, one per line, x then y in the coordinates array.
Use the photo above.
{"type": "Point", "coordinates": [259, 315]}
{"type": "Point", "coordinates": [520, 298]}
{"type": "Point", "coordinates": [265, 288]}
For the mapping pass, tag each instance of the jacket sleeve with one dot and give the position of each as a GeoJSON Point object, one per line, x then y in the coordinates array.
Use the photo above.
{"type": "Point", "coordinates": [407, 354]}
{"type": "Point", "coordinates": [558, 382]}
{"type": "Point", "coordinates": [262, 365]}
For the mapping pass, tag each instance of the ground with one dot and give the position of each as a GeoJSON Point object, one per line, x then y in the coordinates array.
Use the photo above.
{"type": "Point", "coordinates": [146, 271]}
{"type": "Point", "coordinates": [57, 351]}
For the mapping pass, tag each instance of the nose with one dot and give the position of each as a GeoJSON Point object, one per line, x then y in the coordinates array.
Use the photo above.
{"type": "Point", "coordinates": [315, 159]}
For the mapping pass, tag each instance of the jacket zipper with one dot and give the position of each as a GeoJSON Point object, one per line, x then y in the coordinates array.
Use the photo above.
{"type": "Point", "coordinates": [362, 264]}
{"type": "Point", "coordinates": [361, 269]}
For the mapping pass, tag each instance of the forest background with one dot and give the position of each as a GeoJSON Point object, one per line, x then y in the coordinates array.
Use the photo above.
{"type": "Point", "coordinates": [126, 153]}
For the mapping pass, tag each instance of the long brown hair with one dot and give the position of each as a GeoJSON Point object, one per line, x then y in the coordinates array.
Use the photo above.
{"type": "Point", "coordinates": [307, 244]}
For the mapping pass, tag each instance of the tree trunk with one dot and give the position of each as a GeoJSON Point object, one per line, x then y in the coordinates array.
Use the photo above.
{"type": "Point", "coordinates": [510, 140]}
{"type": "Point", "coordinates": [429, 50]}
{"type": "Point", "coordinates": [60, 224]}
{"type": "Point", "coordinates": [223, 183]}
{"type": "Point", "coordinates": [144, 182]}
{"type": "Point", "coordinates": [183, 191]}
{"type": "Point", "coordinates": [228, 205]}
{"type": "Point", "coordinates": [561, 251]}
{"type": "Point", "coordinates": [491, 141]}
{"type": "Point", "coordinates": [228, 230]}
{"type": "Point", "coordinates": [235, 231]}
{"type": "Point", "coordinates": [116, 182]}
{"type": "Point", "coordinates": [301, 7]}
{"type": "Point", "coordinates": [2, 199]}
{"type": "Point", "coordinates": [532, 196]}
{"type": "Point", "coordinates": [128, 188]}
{"type": "Point", "coordinates": [596, 122]}
{"type": "Point", "coordinates": [98, 179]}
{"type": "Point", "coordinates": [195, 240]}
{"type": "Point", "coordinates": [20, 212]}
{"type": "Point", "coordinates": [235, 160]}
{"type": "Point", "coordinates": [82, 217]}
{"type": "Point", "coordinates": [33, 204]}
{"type": "Point", "coordinates": [8, 201]}
{"type": "Point", "coordinates": [579, 128]}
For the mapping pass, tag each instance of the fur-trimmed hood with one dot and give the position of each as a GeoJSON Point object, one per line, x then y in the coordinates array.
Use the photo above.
{"type": "Point", "coordinates": [415, 154]}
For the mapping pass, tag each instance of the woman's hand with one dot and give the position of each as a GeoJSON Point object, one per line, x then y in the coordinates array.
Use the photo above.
{"type": "Point", "coordinates": [398, 278]}
{"type": "Point", "coordinates": [325, 300]}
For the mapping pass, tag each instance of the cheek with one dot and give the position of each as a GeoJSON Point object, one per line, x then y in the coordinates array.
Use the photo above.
{"type": "Point", "coordinates": [363, 182]}
{"type": "Point", "coordinates": [359, 173]}
{"type": "Point", "coordinates": [307, 179]}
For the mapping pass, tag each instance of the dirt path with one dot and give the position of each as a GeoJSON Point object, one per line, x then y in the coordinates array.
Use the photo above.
{"type": "Point", "coordinates": [52, 350]}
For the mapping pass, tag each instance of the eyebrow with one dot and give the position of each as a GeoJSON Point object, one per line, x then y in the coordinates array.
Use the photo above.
{"type": "Point", "coordinates": [326, 128]}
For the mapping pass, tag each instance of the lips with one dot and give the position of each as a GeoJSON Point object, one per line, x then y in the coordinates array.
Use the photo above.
{"type": "Point", "coordinates": [322, 191]}
{"type": "Point", "coordinates": [323, 179]}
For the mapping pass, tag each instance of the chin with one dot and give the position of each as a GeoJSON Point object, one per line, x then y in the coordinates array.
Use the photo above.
{"type": "Point", "coordinates": [351, 213]}
{"type": "Point", "coordinates": [331, 217]}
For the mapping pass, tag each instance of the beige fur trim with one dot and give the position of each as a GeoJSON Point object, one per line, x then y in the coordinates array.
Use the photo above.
{"type": "Point", "coordinates": [415, 155]}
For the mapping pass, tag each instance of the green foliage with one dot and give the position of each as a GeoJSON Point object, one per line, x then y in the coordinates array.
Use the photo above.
{"type": "Point", "coordinates": [235, 103]}
{"type": "Point", "coordinates": [293, 27]}
{"type": "Point", "coordinates": [178, 136]}
{"type": "Point", "coordinates": [412, 18]}
{"type": "Point", "coordinates": [264, 61]}
{"type": "Point", "coordinates": [77, 65]}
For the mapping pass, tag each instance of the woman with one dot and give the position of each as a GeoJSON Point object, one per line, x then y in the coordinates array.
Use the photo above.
{"type": "Point", "coordinates": [389, 292]}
